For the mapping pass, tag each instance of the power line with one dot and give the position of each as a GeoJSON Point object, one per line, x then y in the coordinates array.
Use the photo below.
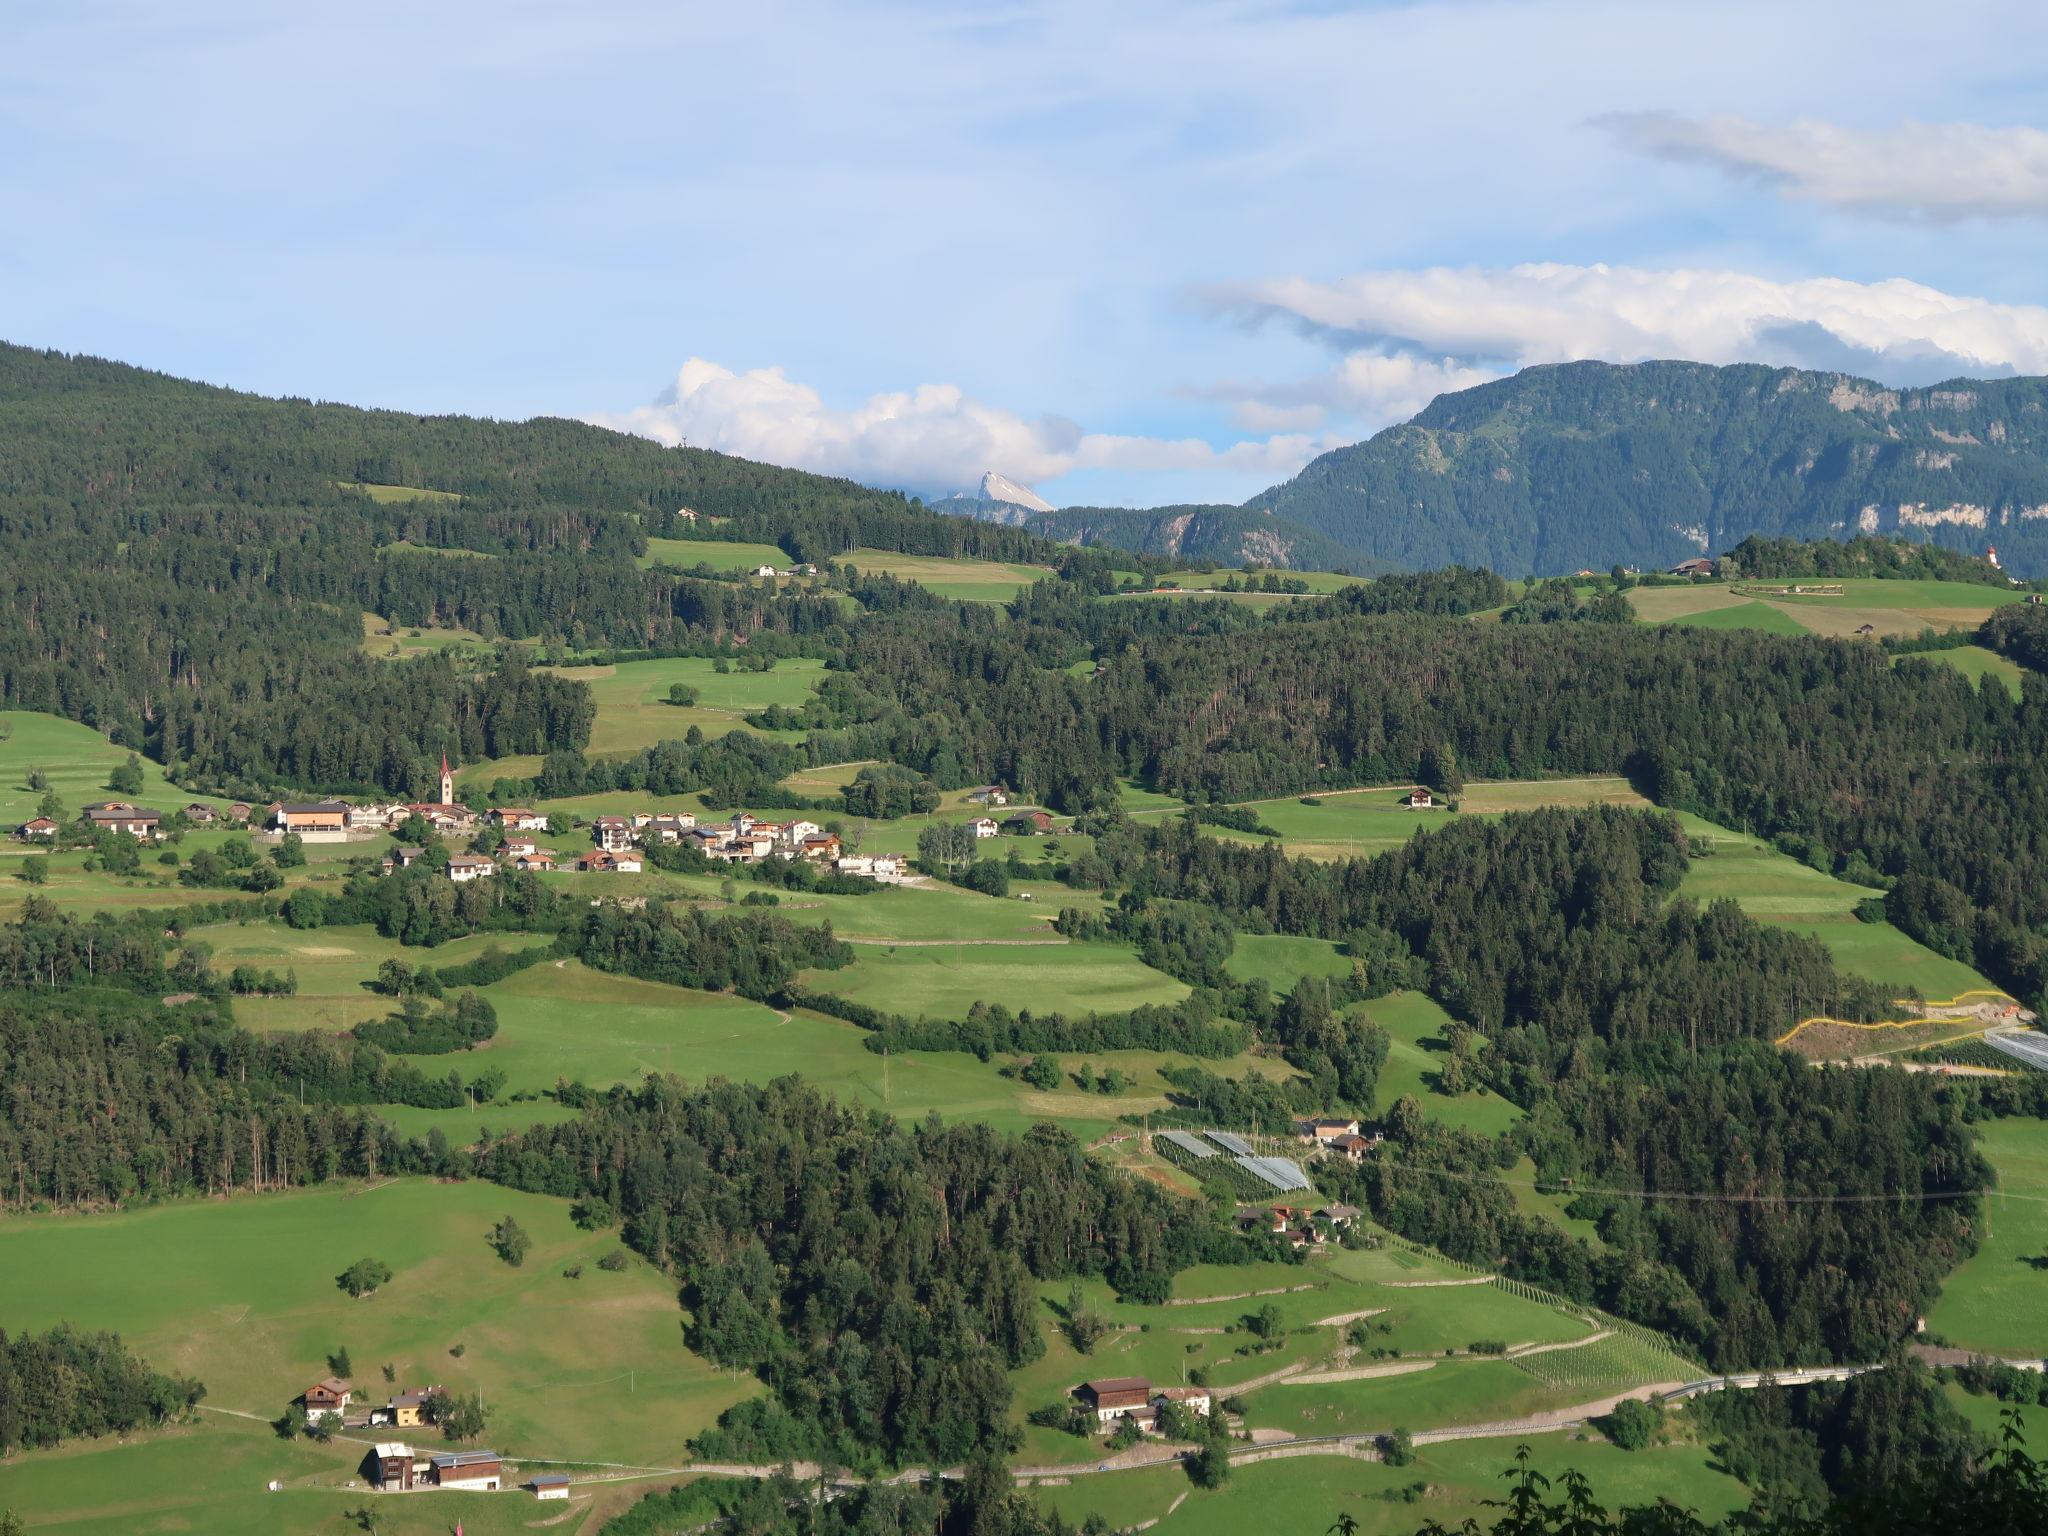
{"type": "Point", "coordinates": [1925, 1195]}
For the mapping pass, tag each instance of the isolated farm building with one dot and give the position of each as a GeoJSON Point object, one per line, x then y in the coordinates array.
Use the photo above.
{"type": "Point", "coordinates": [201, 815]}
{"type": "Point", "coordinates": [1028, 823]}
{"type": "Point", "coordinates": [478, 1470]}
{"type": "Point", "coordinates": [985, 826]}
{"type": "Point", "coordinates": [549, 1485]}
{"type": "Point", "coordinates": [464, 867]}
{"type": "Point", "coordinates": [612, 833]}
{"type": "Point", "coordinates": [315, 821]}
{"type": "Point", "coordinates": [1325, 1131]}
{"type": "Point", "coordinates": [397, 1469]}
{"type": "Point", "coordinates": [989, 794]}
{"type": "Point", "coordinates": [1352, 1147]}
{"type": "Point", "coordinates": [1697, 566]}
{"type": "Point", "coordinates": [2034, 598]}
{"type": "Point", "coordinates": [327, 1395]}
{"type": "Point", "coordinates": [1114, 1396]}
{"type": "Point", "coordinates": [37, 829]}
{"type": "Point", "coordinates": [515, 819]}
{"type": "Point", "coordinates": [1338, 1215]}
{"type": "Point", "coordinates": [120, 816]}
{"type": "Point", "coordinates": [1866, 630]}
{"type": "Point", "coordinates": [1419, 799]}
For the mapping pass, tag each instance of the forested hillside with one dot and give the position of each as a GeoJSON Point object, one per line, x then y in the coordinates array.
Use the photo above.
{"type": "Point", "coordinates": [1200, 535]}
{"type": "Point", "coordinates": [1592, 465]}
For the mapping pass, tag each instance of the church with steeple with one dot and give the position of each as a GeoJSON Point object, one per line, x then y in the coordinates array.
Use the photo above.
{"type": "Point", "coordinates": [447, 782]}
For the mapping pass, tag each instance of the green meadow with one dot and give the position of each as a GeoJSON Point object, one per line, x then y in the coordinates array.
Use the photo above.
{"type": "Point", "coordinates": [1416, 1052]}
{"type": "Point", "coordinates": [974, 581]}
{"type": "Point", "coordinates": [1997, 1300]}
{"type": "Point", "coordinates": [1775, 887]}
{"type": "Point", "coordinates": [633, 710]}
{"type": "Point", "coordinates": [687, 554]}
{"type": "Point", "coordinates": [944, 980]}
{"type": "Point", "coordinates": [1357, 823]}
{"type": "Point", "coordinates": [1888, 607]}
{"type": "Point", "coordinates": [1306, 1496]}
{"type": "Point", "coordinates": [242, 1294]}
{"type": "Point", "coordinates": [1975, 663]}
{"type": "Point", "coordinates": [76, 759]}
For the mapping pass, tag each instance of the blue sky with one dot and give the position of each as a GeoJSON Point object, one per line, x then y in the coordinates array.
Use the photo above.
{"type": "Point", "coordinates": [1131, 253]}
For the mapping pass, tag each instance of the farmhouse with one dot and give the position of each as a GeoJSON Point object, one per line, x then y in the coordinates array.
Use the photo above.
{"type": "Point", "coordinates": [1419, 799]}
{"type": "Point", "coordinates": [823, 846]}
{"type": "Point", "coordinates": [201, 815]}
{"type": "Point", "coordinates": [120, 816]}
{"type": "Point", "coordinates": [1339, 1215]}
{"type": "Point", "coordinates": [1114, 1396]}
{"type": "Point", "coordinates": [513, 819]}
{"type": "Point", "coordinates": [600, 862]}
{"type": "Point", "coordinates": [613, 834]}
{"type": "Point", "coordinates": [396, 1468]}
{"type": "Point", "coordinates": [989, 794]}
{"type": "Point", "coordinates": [1352, 1147]}
{"type": "Point", "coordinates": [403, 857]}
{"type": "Point", "coordinates": [1697, 566]}
{"type": "Point", "coordinates": [327, 1395]}
{"type": "Point", "coordinates": [408, 1410]}
{"type": "Point", "coordinates": [237, 812]}
{"type": "Point", "coordinates": [1028, 823]}
{"type": "Point", "coordinates": [668, 830]}
{"type": "Point", "coordinates": [1866, 630]}
{"type": "Point", "coordinates": [517, 847]}
{"type": "Point", "coordinates": [324, 821]}
{"type": "Point", "coordinates": [37, 829]}
{"type": "Point", "coordinates": [549, 1485]}
{"type": "Point", "coordinates": [464, 867]}
{"type": "Point", "coordinates": [477, 1470]}
{"type": "Point", "coordinates": [537, 862]}
{"type": "Point", "coordinates": [984, 826]}
{"type": "Point", "coordinates": [1325, 1131]}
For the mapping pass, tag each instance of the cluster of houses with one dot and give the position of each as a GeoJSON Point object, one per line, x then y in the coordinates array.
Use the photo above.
{"type": "Point", "coordinates": [136, 821]}
{"type": "Point", "coordinates": [1116, 1398]}
{"type": "Point", "coordinates": [787, 572]}
{"type": "Point", "coordinates": [1303, 1226]}
{"type": "Point", "coordinates": [396, 1467]}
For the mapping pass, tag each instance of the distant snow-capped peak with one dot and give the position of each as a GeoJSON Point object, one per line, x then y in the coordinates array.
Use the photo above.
{"type": "Point", "coordinates": [1002, 488]}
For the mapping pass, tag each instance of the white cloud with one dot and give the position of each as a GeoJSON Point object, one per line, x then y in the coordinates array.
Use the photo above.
{"type": "Point", "coordinates": [933, 439]}
{"type": "Point", "coordinates": [1505, 318]}
{"type": "Point", "coordinates": [1932, 171]}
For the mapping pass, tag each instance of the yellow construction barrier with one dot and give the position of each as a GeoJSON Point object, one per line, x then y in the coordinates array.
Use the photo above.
{"type": "Point", "coordinates": [1959, 1000]}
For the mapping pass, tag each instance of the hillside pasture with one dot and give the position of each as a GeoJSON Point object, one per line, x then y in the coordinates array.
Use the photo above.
{"type": "Point", "coordinates": [76, 760]}
{"type": "Point", "coordinates": [632, 697]}
{"type": "Point", "coordinates": [242, 1294]}
{"type": "Point", "coordinates": [688, 554]}
{"type": "Point", "coordinates": [1902, 607]}
{"type": "Point", "coordinates": [1974, 662]}
{"type": "Point", "coordinates": [1996, 1300]}
{"type": "Point", "coordinates": [943, 981]}
{"type": "Point", "coordinates": [1417, 1049]}
{"type": "Point", "coordinates": [972, 581]}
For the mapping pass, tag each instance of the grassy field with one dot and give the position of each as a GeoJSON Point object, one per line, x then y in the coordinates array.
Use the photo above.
{"type": "Point", "coordinates": [1357, 823]}
{"type": "Point", "coordinates": [974, 581]}
{"type": "Point", "coordinates": [1889, 607]}
{"type": "Point", "coordinates": [386, 494]}
{"type": "Point", "coordinates": [77, 760]}
{"type": "Point", "coordinates": [716, 553]}
{"type": "Point", "coordinates": [632, 697]}
{"type": "Point", "coordinates": [944, 980]}
{"type": "Point", "coordinates": [1975, 663]}
{"type": "Point", "coordinates": [242, 1294]}
{"type": "Point", "coordinates": [1775, 887]}
{"type": "Point", "coordinates": [1416, 1052]}
{"type": "Point", "coordinates": [332, 965]}
{"type": "Point", "coordinates": [1997, 1301]}
{"type": "Point", "coordinates": [1282, 961]}
{"type": "Point", "coordinates": [392, 642]}
{"type": "Point", "coordinates": [1305, 1496]}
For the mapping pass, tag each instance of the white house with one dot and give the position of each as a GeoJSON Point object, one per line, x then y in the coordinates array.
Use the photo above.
{"type": "Point", "coordinates": [885, 868]}
{"type": "Point", "coordinates": [764, 570]}
{"type": "Point", "coordinates": [614, 834]}
{"type": "Point", "coordinates": [464, 867]}
{"type": "Point", "coordinates": [984, 826]}
{"type": "Point", "coordinates": [549, 1485]}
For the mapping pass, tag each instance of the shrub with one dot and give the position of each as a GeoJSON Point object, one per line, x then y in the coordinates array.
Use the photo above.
{"type": "Point", "coordinates": [364, 1276]}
